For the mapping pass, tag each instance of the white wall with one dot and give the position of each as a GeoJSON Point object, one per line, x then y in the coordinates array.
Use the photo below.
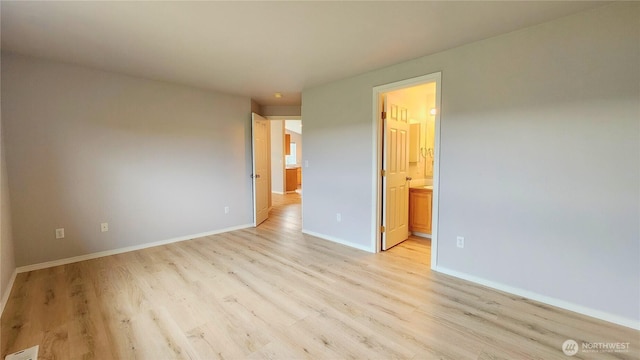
{"type": "Point", "coordinates": [155, 160]}
{"type": "Point", "coordinates": [277, 156]}
{"type": "Point", "coordinates": [297, 139]}
{"type": "Point", "coordinates": [539, 158]}
{"type": "Point", "coordinates": [7, 257]}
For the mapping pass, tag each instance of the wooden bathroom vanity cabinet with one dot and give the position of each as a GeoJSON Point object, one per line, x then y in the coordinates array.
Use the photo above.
{"type": "Point", "coordinates": [420, 202]}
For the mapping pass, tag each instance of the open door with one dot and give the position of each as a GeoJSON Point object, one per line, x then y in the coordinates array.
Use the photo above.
{"type": "Point", "coordinates": [260, 133]}
{"type": "Point", "coordinates": [395, 180]}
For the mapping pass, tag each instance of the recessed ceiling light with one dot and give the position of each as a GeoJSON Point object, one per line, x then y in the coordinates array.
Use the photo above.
{"type": "Point", "coordinates": [278, 95]}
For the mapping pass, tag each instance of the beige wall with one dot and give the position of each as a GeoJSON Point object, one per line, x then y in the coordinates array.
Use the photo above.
{"type": "Point", "coordinates": [540, 160]}
{"type": "Point", "coordinates": [277, 156]}
{"type": "Point", "coordinates": [255, 107]}
{"type": "Point", "coordinates": [156, 161]}
{"type": "Point", "coordinates": [281, 110]}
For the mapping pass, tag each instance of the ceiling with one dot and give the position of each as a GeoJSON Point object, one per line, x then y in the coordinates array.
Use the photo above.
{"type": "Point", "coordinates": [254, 49]}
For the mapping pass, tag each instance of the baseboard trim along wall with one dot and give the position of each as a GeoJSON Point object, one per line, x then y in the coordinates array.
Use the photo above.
{"type": "Point", "coordinates": [616, 319]}
{"type": "Point", "coordinates": [339, 241]}
{"type": "Point", "coordinates": [100, 254]}
{"type": "Point", "coordinates": [422, 235]}
{"type": "Point", "coordinates": [7, 291]}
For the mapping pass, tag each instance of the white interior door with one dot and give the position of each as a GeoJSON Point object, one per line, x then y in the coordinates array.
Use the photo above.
{"type": "Point", "coordinates": [260, 133]}
{"type": "Point", "coordinates": [395, 213]}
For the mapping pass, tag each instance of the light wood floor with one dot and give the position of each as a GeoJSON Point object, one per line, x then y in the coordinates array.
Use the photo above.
{"type": "Point", "coordinates": [272, 292]}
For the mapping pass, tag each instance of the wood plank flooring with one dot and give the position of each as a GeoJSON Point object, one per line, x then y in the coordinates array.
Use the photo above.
{"type": "Point", "coordinates": [273, 293]}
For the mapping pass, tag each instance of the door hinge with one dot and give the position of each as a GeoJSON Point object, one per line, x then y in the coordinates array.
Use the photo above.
{"type": "Point", "coordinates": [383, 172]}
{"type": "Point", "coordinates": [384, 115]}
{"type": "Point", "coordinates": [382, 229]}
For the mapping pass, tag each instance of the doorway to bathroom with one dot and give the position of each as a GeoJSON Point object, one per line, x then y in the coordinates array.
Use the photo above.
{"type": "Point", "coordinates": [406, 119]}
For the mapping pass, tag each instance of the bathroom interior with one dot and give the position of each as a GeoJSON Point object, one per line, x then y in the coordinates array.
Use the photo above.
{"type": "Point", "coordinates": [419, 103]}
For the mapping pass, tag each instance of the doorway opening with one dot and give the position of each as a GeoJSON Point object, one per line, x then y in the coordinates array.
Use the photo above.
{"type": "Point", "coordinates": [406, 146]}
{"type": "Point", "coordinates": [277, 173]}
{"type": "Point", "coordinates": [286, 154]}
{"type": "Point", "coordinates": [293, 156]}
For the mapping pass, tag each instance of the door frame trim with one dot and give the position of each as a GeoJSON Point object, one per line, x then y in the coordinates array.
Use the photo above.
{"type": "Point", "coordinates": [377, 159]}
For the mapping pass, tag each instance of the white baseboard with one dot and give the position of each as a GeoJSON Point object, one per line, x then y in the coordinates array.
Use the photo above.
{"type": "Point", "coordinates": [598, 314]}
{"type": "Point", "coordinates": [7, 291]}
{"type": "Point", "coordinates": [278, 192]}
{"type": "Point", "coordinates": [339, 241]}
{"type": "Point", "coordinates": [616, 319]}
{"type": "Point", "coordinates": [99, 254]}
{"type": "Point", "coordinates": [422, 235]}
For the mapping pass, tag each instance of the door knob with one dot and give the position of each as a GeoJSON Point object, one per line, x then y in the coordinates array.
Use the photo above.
{"type": "Point", "coordinates": [408, 178]}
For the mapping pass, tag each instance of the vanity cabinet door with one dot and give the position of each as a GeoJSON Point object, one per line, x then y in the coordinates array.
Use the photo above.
{"type": "Point", "coordinates": [420, 202]}
{"type": "Point", "coordinates": [292, 180]}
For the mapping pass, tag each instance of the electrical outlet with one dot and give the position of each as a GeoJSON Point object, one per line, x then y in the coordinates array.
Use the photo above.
{"type": "Point", "coordinates": [306, 163]}
{"type": "Point", "coordinates": [60, 233]}
{"type": "Point", "coordinates": [104, 227]}
{"type": "Point", "coordinates": [460, 241]}
{"type": "Point", "coordinates": [338, 217]}
{"type": "Point", "coordinates": [226, 209]}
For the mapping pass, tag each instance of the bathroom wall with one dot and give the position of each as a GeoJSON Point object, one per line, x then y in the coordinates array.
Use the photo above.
{"type": "Point", "coordinates": [419, 100]}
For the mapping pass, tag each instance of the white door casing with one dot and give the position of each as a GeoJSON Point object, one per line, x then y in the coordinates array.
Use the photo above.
{"type": "Point", "coordinates": [377, 148]}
